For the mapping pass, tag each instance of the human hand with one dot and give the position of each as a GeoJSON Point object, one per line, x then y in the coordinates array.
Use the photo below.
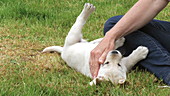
{"type": "Point", "coordinates": [99, 53]}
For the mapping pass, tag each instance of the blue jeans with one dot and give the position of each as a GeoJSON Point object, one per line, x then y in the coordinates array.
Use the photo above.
{"type": "Point", "coordinates": [156, 37]}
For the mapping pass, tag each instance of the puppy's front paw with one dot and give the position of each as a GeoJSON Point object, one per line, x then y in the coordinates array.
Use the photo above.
{"type": "Point", "coordinates": [142, 52]}
{"type": "Point", "coordinates": [119, 42]}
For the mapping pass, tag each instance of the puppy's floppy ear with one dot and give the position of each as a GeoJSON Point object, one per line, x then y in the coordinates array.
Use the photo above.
{"type": "Point", "coordinates": [93, 82]}
{"type": "Point", "coordinates": [96, 80]}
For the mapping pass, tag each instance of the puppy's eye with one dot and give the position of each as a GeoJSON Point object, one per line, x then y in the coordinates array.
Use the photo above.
{"type": "Point", "coordinates": [118, 64]}
{"type": "Point", "coordinates": [106, 63]}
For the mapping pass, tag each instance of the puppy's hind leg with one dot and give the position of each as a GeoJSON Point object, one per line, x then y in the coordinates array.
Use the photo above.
{"type": "Point", "coordinates": [75, 35]}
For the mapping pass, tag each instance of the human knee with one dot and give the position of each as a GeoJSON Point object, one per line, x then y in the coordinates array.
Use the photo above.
{"type": "Point", "coordinates": [111, 22]}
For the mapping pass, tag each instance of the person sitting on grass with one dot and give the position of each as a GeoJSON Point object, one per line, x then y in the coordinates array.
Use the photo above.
{"type": "Point", "coordinates": [139, 28]}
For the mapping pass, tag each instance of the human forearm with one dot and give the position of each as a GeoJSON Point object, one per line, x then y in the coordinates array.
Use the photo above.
{"type": "Point", "coordinates": [139, 15]}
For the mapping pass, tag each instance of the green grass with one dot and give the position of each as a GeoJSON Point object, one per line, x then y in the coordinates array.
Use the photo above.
{"type": "Point", "coordinates": [28, 26]}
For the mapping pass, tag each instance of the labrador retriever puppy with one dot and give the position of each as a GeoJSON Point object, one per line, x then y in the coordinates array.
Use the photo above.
{"type": "Point", "coordinates": [76, 53]}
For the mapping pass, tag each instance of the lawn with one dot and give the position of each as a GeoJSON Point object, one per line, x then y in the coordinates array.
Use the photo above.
{"type": "Point", "coordinates": [28, 26]}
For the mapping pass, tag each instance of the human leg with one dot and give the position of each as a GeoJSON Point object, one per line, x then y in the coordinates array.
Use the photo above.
{"type": "Point", "coordinates": [160, 30]}
{"type": "Point", "coordinates": [158, 60]}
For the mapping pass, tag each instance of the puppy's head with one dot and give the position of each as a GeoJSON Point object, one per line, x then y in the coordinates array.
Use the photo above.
{"type": "Point", "coordinates": [112, 70]}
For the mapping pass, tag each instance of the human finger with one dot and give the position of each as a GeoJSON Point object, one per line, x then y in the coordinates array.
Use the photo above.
{"type": "Point", "coordinates": [103, 57]}
{"type": "Point", "coordinates": [94, 64]}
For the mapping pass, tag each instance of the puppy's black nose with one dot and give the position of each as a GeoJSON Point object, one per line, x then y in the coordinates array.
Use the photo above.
{"type": "Point", "coordinates": [114, 52]}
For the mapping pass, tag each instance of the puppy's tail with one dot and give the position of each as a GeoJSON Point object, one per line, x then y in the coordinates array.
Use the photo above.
{"type": "Point", "coordinates": [58, 49]}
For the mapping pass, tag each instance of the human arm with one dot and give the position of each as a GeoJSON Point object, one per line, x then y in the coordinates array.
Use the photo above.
{"type": "Point", "coordinates": [139, 15]}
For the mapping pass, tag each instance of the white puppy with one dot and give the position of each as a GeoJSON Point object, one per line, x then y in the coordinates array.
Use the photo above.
{"type": "Point", "coordinates": [76, 53]}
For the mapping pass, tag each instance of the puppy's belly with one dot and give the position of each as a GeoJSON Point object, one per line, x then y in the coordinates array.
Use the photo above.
{"type": "Point", "coordinates": [77, 57]}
